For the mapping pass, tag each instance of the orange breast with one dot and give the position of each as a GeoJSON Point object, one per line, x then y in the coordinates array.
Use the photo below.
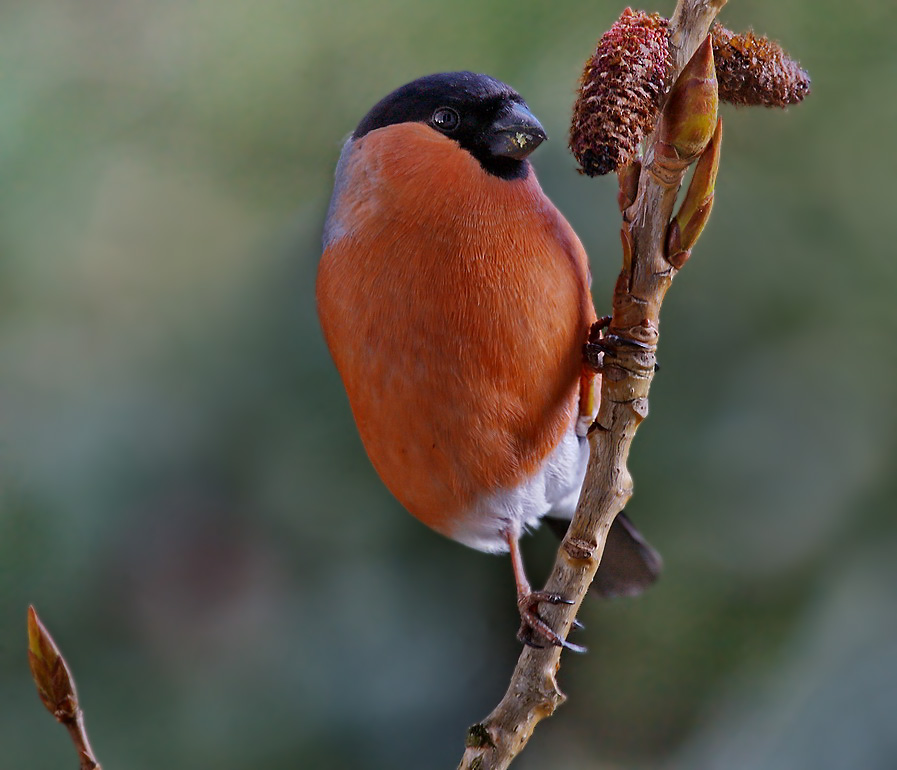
{"type": "Point", "coordinates": [455, 305]}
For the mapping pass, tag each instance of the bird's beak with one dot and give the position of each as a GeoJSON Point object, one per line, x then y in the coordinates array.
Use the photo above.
{"type": "Point", "coordinates": [516, 133]}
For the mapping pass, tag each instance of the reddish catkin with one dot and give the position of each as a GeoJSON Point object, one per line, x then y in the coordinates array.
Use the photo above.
{"type": "Point", "coordinates": [620, 92]}
{"type": "Point", "coordinates": [625, 81]}
{"type": "Point", "coordinates": [754, 70]}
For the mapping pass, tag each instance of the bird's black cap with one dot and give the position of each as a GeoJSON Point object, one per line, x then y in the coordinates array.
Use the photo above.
{"type": "Point", "coordinates": [486, 117]}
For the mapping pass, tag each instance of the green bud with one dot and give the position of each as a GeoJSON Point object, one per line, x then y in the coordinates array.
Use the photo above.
{"type": "Point", "coordinates": [50, 672]}
{"type": "Point", "coordinates": [689, 117]}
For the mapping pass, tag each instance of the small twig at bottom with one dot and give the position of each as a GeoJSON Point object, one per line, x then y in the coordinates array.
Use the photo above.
{"type": "Point", "coordinates": [56, 688]}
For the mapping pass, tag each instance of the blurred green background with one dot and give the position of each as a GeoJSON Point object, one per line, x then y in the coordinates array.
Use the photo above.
{"type": "Point", "coordinates": [184, 497]}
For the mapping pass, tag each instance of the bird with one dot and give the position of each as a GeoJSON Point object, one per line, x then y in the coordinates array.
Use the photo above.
{"type": "Point", "coordinates": [455, 300]}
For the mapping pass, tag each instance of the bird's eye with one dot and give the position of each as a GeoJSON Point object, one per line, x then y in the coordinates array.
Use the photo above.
{"type": "Point", "coordinates": [445, 119]}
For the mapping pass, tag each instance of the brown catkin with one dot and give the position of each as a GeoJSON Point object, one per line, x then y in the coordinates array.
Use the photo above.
{"type": "Point", "coordinates": [754, 70]}
{"type": "Point", "coordinates": [620, 92]}
{"type": "Point", "coordinates": [625, 81]}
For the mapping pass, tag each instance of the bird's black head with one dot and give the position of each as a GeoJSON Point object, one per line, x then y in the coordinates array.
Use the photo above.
{"type": "Point", "coordinates": [486, 117]}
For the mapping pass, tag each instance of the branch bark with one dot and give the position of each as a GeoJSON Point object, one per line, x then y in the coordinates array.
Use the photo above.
{"type": "Point", "coordinates": [533, 693]}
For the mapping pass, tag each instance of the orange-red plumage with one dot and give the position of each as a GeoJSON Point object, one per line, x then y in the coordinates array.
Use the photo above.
{"type": "Point", "coordinates": [456, 305]}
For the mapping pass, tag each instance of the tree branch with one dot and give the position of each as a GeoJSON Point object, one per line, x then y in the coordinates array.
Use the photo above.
{"type": "Point", "coordinates": [533, 693]}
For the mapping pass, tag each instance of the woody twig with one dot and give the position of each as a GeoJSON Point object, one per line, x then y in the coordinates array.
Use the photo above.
{"type": "Point", "coordinates": [656, 119]}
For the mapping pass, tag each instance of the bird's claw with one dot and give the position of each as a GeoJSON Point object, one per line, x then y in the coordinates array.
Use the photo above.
{"type": "Point", "coordinates": [534, 630]}
{"type": "Point", "coordinates": [598, 327]}
{"type": "Point", "coordinates": [594, 350]}
{"type": "Point", "coordinates": [613, 341]}
{"type": "Point", "coordinates": [593, 356]}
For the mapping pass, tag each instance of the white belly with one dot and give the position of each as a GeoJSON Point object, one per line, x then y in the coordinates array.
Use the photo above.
{"type": "Point", "coordinates": [553, 490]}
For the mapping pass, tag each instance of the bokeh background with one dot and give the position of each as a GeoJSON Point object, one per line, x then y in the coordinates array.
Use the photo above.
{"type": "Point", "coordinates": [183, 494]}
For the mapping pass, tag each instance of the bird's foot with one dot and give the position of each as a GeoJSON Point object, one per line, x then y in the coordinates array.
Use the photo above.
{"type": "Point", "coordinates": [598, 349]}
{"type": "Point", "coordinates": [599, 326]}
{"type": "Point", "coordinates": [534, 631]}
{"type": "Point", "coordinates": [594, 350]}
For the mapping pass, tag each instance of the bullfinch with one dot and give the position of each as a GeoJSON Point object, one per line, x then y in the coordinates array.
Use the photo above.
{"type": "Point", "coordinates": [454, 298]}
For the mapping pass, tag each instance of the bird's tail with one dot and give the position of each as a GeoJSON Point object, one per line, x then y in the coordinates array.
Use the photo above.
{"type": "Point", "coordinates": [629, 564]}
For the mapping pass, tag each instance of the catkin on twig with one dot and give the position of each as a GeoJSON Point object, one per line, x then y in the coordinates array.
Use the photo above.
{"type": "Point", "coordinates": [626, 79]}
